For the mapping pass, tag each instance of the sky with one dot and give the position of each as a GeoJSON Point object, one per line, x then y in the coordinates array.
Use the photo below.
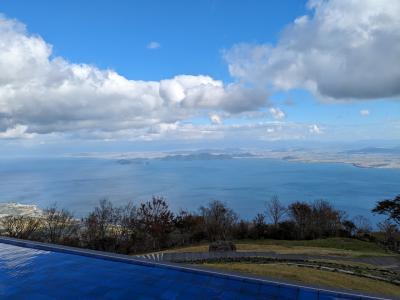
{"type": "Point", "coordinates": [211, 73]}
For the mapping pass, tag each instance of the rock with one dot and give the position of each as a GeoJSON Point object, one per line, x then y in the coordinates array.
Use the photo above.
{"type": "Point", "coordinates": [222, 246]}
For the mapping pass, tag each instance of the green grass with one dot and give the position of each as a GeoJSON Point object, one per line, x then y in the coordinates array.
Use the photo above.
{"type": "Point", "coordinates": [311, 276]}
{"type": "Point", "coordinates": [342, 247]}
{"type": "Point", "coordinates": [339, 247]}
{"type": "Point", "coordinates": [331, 243]}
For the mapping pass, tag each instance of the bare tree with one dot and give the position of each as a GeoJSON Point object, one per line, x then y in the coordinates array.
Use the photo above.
{"type": "Point", "coordinates": [326, 221]}
{"type": "Point", "coordinates": [259, 225]}
{"type": "Point", "coordinates": [241, 230]}
{"type": "Point", "coordinates": [218, 219]}
{"type": "Point", "coordinates": [190, 227]}
{"type": "Point", "coordinates": [363, 224]}
{"type": "Point", "coordinates": [157, 220]}
{"type": "Point", "coordinates": [100, 226]}
{"type": "Point", "coordinates": [128, 229]}
{"type": "Point", "coordinates": [275, 210]}
{"type": "Point", "coordinates": [59, 225]}
{"type": "Point", "coordinates": [301, 214]}
{"type": "Point", "coordinates": [389, 229]}
{"type": "Point", "coordinates": [22, 227]}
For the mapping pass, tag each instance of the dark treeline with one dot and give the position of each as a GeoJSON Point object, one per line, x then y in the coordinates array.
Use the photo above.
{"type": "Point", "coordinates": [153, 226]}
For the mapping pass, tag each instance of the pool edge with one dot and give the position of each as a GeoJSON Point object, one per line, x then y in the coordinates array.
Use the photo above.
{"type": "Point", "coordinates": [142, 261]}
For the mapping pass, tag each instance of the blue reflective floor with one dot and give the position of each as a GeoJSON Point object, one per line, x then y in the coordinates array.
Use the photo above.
{"type": "Point", "coordinates": [27, 273]}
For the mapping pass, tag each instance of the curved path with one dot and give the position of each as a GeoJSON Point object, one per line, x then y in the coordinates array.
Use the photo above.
{"type": "Point", "coordinates": [387, 262]}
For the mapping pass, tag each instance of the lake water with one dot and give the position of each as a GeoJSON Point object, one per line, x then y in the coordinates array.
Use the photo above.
{"type": "Point", "coordinates": [244, 184]}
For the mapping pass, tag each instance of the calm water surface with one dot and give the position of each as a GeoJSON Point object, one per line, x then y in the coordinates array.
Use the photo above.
{"type": "Point", "coordinates": [245, 184]}
{"type": "Point", "coordinates": [35, 274]}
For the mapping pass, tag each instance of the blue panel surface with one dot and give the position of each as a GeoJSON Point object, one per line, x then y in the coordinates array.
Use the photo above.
{"type": "Point", "coordinates": [27, 273]}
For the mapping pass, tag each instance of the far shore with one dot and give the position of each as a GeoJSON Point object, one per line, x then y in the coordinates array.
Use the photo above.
{"type": "Point", "coordinates": [18, 209]}
{"type": "Point", "coordinates": [364, 160]}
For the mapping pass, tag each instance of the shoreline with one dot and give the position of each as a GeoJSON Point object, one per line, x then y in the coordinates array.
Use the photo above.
{"type": "Point", "coordinates": [368, 161]}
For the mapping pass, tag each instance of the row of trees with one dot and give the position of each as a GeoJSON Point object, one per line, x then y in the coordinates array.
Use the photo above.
{"type": "Point", "coordinates": [153, 226]}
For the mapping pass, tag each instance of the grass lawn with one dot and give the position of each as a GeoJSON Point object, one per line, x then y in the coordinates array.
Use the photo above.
{"type": "Point", "coordinates": [331, 246]}
{"type": "Point", "coordinates": [346, 263]}
{"type": "Point", "coordinates": [312, 276]}
{"type": "Point", "coordinates": [333, 243]}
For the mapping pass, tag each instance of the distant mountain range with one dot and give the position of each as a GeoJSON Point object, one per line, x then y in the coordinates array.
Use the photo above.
{"type": "Point", "coordinates": [206, 156]}
{"type": "Point", "coordinates": [187, 157]}
{"type": "Point", "coordinates": [367, 157]}
{"type": "Point", "coordinates": [375, 150]}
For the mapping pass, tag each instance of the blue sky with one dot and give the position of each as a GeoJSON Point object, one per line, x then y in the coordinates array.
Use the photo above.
{"type": "Point", "coordinates": [190, 71]}
{"type": "Point", "coordinates": [115, 34]}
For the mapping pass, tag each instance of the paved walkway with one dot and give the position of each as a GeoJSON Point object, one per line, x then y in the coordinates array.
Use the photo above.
{"type": "Point", "coordinates": [388, 262]}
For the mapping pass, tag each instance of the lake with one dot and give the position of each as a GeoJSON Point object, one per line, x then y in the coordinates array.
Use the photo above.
{"type": "Point", "coordinates": [244, 184]}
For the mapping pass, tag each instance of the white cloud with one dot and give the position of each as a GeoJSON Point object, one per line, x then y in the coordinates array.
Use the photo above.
{"type": "Point", "coordinates": [18, 132]}
{"type": "Point", "coordinates": [153, 45]}
{"type": "Point", "coordinates": [215, 119]}
{"type": "Point", "coordinates": [364, 112]}
{"type": "Point", "coordinates": [315, 129]}
{"type": "Point", "coordinates": [44, 94]}
{"type": "Point", "coordinates": [277, 113]}
{"type": "Point", "coordinates": [267, 131]}
{"type": "Point", "coordinates": [343, 50]}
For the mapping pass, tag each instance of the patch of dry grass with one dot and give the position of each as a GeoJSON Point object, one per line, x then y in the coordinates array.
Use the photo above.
{"type": "Point", "coordinates": [333, 243]}
{"type": "Point", "coordinates": [197, 248]}
{"type": "Point", "coordinates": [312, 276]}
{"type": "Point", "coordinates": [293, 247]}
{"type": "Point", "coordinates": [328, 246]}
{"type": "Point", "coordinates": [346, 263]}
{"type": "Point", "coordinates": [282, 249]}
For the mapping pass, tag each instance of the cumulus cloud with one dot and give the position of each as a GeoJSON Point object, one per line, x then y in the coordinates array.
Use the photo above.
{"type": "Point", "coordinates": [215, 119]}
{"type": "Point", "coordinates": [364, 112]}
{"type": "Point", "coordinates": [342, 50]}
{"type": "Point", "coordinates": [315, 129]}
{"type": "Point", "coordinates": [268, 131]}
{"type": "Point", "coordinates": [42, 94]}
{"type": "Point", "coordinates": [18, 132]}
{"type": "Point", "coordinates": [277, 113]}
{"type": "Point", "coordinates": [153, 45]}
